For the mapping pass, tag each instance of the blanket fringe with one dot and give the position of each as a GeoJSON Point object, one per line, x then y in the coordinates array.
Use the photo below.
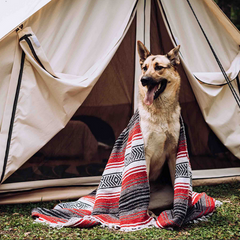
{"type": "Point", "coordinates": [151, 224]}
{"type": "Point", "coordinates": [50, 224]}
{"type": "Point", "coordinates": [218, 203]}
{"type": "Point", "coordinates": [103, 224]}
{"type": "Point", "coordinates": [205, 218]}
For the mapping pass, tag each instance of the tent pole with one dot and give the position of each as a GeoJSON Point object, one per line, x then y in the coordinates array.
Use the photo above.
{"type": "Point", "coordinates": [143, 35]}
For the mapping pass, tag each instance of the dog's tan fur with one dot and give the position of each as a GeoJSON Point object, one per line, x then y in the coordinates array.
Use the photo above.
{"type": "Point", "coordinates": [159, 120]}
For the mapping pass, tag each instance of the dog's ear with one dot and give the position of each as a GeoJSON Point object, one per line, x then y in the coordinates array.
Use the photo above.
{"type": "Point", "coordinates": [142, 52]}
{"type": "Point", "coordinates": [173, 56]}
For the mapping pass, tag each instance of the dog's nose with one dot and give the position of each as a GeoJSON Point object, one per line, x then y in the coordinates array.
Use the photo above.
{"type": "Point", "coordinates": [145, 80]}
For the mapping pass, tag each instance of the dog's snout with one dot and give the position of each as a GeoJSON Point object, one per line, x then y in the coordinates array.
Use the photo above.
{"type": "Point", "coordinates": [145, 80]}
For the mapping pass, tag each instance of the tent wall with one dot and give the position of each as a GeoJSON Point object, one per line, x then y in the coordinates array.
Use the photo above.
{"type": "Point", "coordinates": [13, 13]}
{"type": "Point", "coordinates": [58, 89]}
{"type": "Point", "coordinates": [226, 23]}
{"type": "Point", "coordinates": [74, 147]}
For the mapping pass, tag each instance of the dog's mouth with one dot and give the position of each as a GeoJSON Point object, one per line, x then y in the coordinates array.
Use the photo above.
{"type": "Point", "coordinates": [154, 90]}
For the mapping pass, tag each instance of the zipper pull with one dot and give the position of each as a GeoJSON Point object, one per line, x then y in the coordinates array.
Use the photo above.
{"type": "Point", "coordinates": [19, 28]}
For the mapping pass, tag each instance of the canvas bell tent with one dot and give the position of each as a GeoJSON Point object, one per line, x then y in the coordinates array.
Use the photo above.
{"type": "Point", "coordinates": [69, 75]}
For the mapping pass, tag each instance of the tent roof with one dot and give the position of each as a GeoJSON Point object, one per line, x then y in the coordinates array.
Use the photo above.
{"type": "Point", "coordinates": [13, 13]}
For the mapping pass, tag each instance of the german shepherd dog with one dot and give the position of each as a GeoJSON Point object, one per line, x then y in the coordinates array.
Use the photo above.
{"type": "Point", "coordinates": [159, 109]}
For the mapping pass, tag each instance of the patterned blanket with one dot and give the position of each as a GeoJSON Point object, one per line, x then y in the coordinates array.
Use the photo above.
{"type": "Point", "coordinates": [122, 198]}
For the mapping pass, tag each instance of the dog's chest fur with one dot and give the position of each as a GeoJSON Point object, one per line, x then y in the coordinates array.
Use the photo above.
{"type": "Point", "coordinates": [160, 130]}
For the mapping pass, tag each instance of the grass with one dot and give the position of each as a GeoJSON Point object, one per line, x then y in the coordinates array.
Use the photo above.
{"type": "Point", "coordinates": [16, 223]}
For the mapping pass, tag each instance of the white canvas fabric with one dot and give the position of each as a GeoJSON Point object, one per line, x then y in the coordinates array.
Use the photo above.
{"type": "Point", "coordinates": [227, 24]}
{"type": "Point", "coordinates": [48, 98]}
{"type": "Point", "coordinates": [14, 12]}
{"type": "Point", "coordinates": [217, 104]}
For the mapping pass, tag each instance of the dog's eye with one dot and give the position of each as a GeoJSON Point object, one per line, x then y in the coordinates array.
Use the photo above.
{"type": "Point", "coordinates": [144, 68]}
{"type": "Point", "coordinates": [158, 68]}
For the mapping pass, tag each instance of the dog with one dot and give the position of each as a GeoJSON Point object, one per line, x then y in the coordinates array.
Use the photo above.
{"type": "Point", "coordinates": [159, 109]}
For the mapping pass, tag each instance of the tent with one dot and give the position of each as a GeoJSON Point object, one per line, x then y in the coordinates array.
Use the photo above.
{"type": "Point", "coordinates": [68, 87]}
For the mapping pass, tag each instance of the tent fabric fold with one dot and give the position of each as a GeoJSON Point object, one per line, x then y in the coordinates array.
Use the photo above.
{"type": "Point", "coordinates": [122, 198]}
{"type": "Point", "coordinates": [47, 99]}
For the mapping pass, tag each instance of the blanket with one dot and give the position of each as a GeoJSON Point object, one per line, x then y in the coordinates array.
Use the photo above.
{"type": "Point", "coordinates": [122, 197]}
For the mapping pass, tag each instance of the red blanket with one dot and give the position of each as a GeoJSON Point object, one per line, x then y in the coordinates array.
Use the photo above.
{"type": "Point", "coordinates": [122, 198]}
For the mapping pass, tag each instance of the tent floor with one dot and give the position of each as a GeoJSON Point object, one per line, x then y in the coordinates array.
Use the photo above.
{"type": "Point", "coordinates": [75, 192]}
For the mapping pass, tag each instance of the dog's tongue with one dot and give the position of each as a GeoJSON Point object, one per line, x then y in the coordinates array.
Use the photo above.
{"type": "Point", "coordinates": [149, 97]}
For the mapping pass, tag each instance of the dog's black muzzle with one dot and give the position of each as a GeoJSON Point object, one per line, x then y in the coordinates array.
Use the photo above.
{"type": "Point", "coordinates": [145, 80]}
{"type": "Point", "coordinates": [150, 83]}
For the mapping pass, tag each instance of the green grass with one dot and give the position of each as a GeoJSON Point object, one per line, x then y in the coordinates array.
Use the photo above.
{"type": "Point", "coordinates": [16, 223]}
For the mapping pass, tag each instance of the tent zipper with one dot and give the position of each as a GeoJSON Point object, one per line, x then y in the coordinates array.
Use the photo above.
{"type": "Point", "coordinates": [13, 114]}
{"type": "Point", "coordinates": [238, 83]}
{"type": "Point", "coordinates": [216, 57]}
{"type": "Point", "coordinates": [26, 38]}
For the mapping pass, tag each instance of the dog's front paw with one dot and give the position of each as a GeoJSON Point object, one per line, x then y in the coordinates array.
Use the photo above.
{"type": "Point", "coordinates": [151, 214]}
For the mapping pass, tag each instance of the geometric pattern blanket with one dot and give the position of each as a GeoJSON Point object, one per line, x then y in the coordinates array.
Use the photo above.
{"type": "Point", "coordinates": [122, 197]}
